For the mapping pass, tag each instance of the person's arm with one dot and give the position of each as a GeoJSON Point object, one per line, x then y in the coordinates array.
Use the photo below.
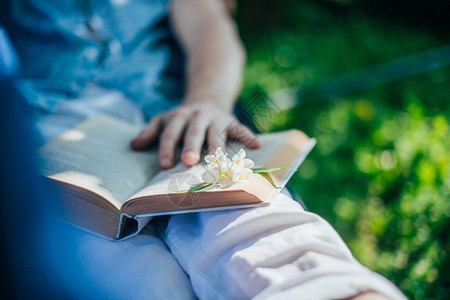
{"type": "Point", "coordinates": [214, 65]}
{"type": "Point", "coordinates": [215, 55]}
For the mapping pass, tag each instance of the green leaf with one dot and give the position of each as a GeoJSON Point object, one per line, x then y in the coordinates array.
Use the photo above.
{"type": "Point", "coordinates": [268, 178]}
{"type": "Point", "coordinates": [265, 170]}
{"type": "Point", "coordinates": [198, 187]}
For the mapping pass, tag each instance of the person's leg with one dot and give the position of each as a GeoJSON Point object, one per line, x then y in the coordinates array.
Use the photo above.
{"type": "Point", "coordinates": [279, 251]}
{"type": "Point", "coordinates": [141, 267]}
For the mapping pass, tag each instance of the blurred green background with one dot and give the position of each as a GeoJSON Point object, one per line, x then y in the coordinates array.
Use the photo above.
{"type": "Point", "coordinates": [380, 173]}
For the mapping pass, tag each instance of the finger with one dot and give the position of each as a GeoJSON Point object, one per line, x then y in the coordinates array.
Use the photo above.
{"type": "Point", "coordinates": [149, 135]}
{"type": "Point", "coordinates": [216, 137]}
{"type": "Point", "coordinates": [169, 140]}
{"type": "Point", "coordinates": [240, 132]}
{"type": "Point", "coordinates": [194, 137]}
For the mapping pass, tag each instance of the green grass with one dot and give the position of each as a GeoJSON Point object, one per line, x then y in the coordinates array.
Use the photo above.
{"type": "Point", "coordinates": [380, 173]}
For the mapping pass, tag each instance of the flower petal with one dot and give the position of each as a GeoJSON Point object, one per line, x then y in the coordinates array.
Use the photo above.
{"type": "Point", "coordinates": [211, 175]}
{"type": "Point", "coordinates": [235, 173]}
{"type": "Point", "coordinates": [224, 163]}
{"type": "Point", "coordinates": [219, 152]}
{"type": "Point", "coordinates": [248, 163]}
{"type": "Point", "coordinates": [239, 156]}
{"type": "Point", "coordinates": [226, 182]}
{"type": "Point", "coordinates": [245, 174]}
{"type": "Point", "coordinates": [209, 158]}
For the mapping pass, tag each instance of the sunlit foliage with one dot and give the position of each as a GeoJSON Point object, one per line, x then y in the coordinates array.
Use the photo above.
{"type": "Point", "coordinates": [380, 172]}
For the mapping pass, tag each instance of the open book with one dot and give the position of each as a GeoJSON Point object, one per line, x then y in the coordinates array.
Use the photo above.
{"type": "Point", "coordinates": [112, 191]}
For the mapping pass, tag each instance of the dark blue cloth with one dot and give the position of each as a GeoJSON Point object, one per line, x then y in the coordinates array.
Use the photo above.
{"type": "Point", "coordinates": [24, 227]}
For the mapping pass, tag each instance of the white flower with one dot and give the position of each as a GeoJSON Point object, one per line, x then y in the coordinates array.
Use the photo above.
{"type": "Point", "coordinates": [223, 171]}
{"type": "Point", "coordinates": [239, 159]}
{"type": "Point", "coordinates": [214, 159]}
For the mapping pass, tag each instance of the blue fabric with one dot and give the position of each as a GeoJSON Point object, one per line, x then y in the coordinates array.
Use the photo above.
{"type": "Point", "coordinates": [45, 258]}
{"type": "Point", "coordinates": [24, 231]}
{"type": "Point", "coordinates": [125, 45]}
{"type": "Point", "coordinates": [8, 58]}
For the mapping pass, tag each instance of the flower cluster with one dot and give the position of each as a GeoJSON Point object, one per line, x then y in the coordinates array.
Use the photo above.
{"type": "Point", "coordinates": [222, 171]}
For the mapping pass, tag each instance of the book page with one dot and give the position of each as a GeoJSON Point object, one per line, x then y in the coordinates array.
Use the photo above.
{"type": "Point", "coordinates": [96, 155]}
{"type": "Point", "coordinates": [182, 177]}
{"type": "Point", "coordinates": [270, 144]}
{"type": "Point", "coordinates": [281, 150]}
{"type": "Point", "coordinates": [174, 180]}
{"type": "Point", "coordinates": [167, 191]}
{"type": "Point", "coordinates": [278, 150]}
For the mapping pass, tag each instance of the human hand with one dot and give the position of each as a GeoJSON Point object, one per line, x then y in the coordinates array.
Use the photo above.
{"type": "Point", "coordinates": [194, 124]}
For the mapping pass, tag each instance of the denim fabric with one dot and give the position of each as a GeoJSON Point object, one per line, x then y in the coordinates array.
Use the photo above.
{"type": "Point", "coordinates": [8, 58]}
{"type": "Point", "coordinates": [125, 45]}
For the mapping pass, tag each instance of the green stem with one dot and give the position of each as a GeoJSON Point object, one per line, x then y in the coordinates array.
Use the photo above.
{"type": "Point", "coordinates": [266, 170]}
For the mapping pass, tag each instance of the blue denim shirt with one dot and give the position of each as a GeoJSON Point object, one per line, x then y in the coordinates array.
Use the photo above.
{"type": "Point", "coordinates": [125, 45]}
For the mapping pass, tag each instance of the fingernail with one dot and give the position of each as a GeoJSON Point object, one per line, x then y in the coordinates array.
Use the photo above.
{"type": "Point", "coordinates": [166, 162]}
{"type": "Point", "coordinates": [256, 143]}
{"type": "Point", "coordinates": [141, 135]}
{"type": "Point", "coordinates": [192, 154]}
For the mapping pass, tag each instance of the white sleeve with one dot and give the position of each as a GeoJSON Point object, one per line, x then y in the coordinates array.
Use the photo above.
{"type": "Point", "coordinates": [274, 252]}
